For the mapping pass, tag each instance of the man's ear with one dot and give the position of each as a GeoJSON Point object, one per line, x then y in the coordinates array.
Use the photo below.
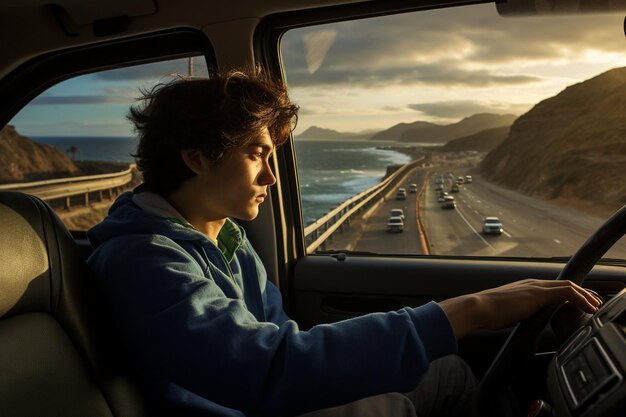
{"type": "Point", "coordinates": [193, 159]}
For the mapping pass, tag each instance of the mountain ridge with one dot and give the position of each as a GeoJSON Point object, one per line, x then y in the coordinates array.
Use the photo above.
{"type": "Point", "coordinates": [419, 131]}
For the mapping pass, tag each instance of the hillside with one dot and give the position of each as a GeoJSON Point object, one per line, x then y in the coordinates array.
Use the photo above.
{"type": "Point", "coordinates": [467, 126]}
{"type": "Point", "coordinates": [483, 141]}
{"type": "Point", "coordinates": [21, 159]}
{"type": "Point", "coordinates": [395, 132]}
{"type": "Point", "coordinates": [570, 146]}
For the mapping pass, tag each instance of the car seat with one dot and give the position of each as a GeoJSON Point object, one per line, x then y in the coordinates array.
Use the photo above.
{"type": "Point", "coordinates": [57, 355]}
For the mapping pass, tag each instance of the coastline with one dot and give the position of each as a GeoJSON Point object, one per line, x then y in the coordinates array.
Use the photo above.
{"type": "Point", "coordinates": [413, 151]}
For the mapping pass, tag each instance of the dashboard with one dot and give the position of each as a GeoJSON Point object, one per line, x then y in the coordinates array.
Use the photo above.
{"type": "Point", "coordinates": [586, 377]}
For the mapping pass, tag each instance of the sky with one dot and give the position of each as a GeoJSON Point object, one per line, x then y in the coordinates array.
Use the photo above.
{"type": "Point", "coordinates": [437, 66]}
{"type": "Point", "coordinates": [440, 66]}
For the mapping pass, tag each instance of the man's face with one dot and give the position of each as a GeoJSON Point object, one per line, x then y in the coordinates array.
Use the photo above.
{"type": "Point", "coordinates": [238, 183]}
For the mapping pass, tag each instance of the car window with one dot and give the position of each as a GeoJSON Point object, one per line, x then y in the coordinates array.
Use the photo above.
{"type": "Point", "coordinates": [517, 118]}
{"type": "Point", "coordinates": [72, 145]}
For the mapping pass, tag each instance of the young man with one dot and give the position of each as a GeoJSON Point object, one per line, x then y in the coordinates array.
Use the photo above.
{"type": "Point", "coordinates": [204, 326]}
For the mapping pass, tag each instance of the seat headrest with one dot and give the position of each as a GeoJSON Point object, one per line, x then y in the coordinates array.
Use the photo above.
{"type": "Point", "coordinates": [27, 237]}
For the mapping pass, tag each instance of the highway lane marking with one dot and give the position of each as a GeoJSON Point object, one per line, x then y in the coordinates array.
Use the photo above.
{"type": "Point", "coordinates": [477, 213]}
{"type": "Point", "coordinates": [474, 230]}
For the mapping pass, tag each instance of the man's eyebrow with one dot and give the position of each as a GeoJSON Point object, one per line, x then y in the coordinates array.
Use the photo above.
{"type": "Point", "coordinates": [264, 145]}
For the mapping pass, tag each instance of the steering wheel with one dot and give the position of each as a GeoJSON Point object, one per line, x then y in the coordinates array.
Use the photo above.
{"type": "Point", "coordinates": [522, 342]}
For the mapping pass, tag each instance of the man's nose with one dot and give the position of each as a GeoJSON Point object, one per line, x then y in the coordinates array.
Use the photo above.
{"type": "Point", "coordinates": [266, 176]}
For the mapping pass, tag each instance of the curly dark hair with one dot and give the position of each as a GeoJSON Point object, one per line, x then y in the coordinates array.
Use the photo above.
{"type": "Point", "coordinates": [210, 114]}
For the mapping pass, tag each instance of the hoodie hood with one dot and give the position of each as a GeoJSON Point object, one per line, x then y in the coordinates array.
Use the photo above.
{"type": "Point", "coordinates": [127, 218]}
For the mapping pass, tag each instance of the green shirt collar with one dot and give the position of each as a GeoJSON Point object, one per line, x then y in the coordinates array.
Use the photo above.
{"type": "Point", "coordinates": [229, 239]}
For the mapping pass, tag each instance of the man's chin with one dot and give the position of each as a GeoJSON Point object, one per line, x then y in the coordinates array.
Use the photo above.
{"type": "Point", "coordinates": [248, 215]}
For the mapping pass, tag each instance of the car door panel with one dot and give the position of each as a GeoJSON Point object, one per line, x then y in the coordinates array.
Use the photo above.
{"type": "Point", "coordinates": [338, 287]}
{"type": "Point", "coordinates": [330, 288]}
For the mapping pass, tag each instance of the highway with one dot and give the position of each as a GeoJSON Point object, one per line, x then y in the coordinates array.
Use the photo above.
{"type": "Point", "coordinates": [532, 227]}
{"type": "Point", "coordinates": [375, 237]}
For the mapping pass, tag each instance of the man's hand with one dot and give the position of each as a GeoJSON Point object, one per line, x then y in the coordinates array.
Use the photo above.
{"type": "Point", "coordinates": [509, 304]}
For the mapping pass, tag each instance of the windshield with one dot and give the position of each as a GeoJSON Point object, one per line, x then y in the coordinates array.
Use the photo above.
{"type": "Point", "coordinates": [519, 118]}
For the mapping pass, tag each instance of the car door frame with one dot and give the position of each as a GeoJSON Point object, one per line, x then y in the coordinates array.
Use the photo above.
{"type": "Point", "coordinates": [327, 288]}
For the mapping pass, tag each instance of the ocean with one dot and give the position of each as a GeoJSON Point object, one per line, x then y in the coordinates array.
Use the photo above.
{"type": "Point", "coordinates": [330, 171]}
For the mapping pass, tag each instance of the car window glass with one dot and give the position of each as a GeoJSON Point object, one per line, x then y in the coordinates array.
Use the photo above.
{"type": "Point", "coordinates": [72, 145]}
{"type": "Point", "coordinates": [516, 118]}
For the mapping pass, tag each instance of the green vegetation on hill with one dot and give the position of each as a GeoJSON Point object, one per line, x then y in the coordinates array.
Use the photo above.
{"type": "Point", "coordinates": [571, 146]}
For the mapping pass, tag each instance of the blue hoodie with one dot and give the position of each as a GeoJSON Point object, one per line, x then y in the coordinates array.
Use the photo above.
{"type": "Point", "coordinates": [209, 335]}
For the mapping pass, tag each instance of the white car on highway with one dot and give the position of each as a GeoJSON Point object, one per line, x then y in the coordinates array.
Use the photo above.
{"type": "Point", "coordinates": [492, 226]}
{"type": "Point", "coordinates": [401, 194]}
{"type": "Point", "coordinates": [395, 224]}
{"type": "Point", "coordinates": [397, 212]}
{"type": "Point", "coordinates": [448, 202]}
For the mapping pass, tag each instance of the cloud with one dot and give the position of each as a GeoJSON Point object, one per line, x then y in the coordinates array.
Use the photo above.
{"type": "Point", "coordinates": [444, 73]}
{"type": "Point", "coordinates": [95, 99]}
{"type": "Point", "coordinates": [155, 70]}
{"type": "Point", "coordinates": [450, 109]}
{"type": "Point", "coordinates": [107, 95]}
{"type": "Point", "coordinates": [311, 110]}
{"type": "Point", "coordinates": [463, 108]}
{"type": "Point", "coordinates": [469, 44]}
{"type": "Point", "coordinates": [72, 128]}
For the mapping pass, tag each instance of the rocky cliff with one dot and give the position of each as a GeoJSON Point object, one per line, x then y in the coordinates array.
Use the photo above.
{"type": "Point", "coordinates": [570, 146]}
{"type": "Point", "coordinates": [21, 159]}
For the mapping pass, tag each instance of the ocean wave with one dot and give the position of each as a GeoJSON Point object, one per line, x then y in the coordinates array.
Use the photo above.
{"type": "Point", "coordinates": [352, 171]}
{"type": "Point", "coordinates": [335, 198]}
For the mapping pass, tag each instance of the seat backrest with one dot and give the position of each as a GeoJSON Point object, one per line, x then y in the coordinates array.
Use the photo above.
{"type": "Point", "coordinates": [57, 355]}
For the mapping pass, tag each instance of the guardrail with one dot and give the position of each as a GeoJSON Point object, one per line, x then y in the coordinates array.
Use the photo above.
{"type": "Point", "coordinates": [319, 231]}
{"type": "Point", "coordinates": [65, 188]}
